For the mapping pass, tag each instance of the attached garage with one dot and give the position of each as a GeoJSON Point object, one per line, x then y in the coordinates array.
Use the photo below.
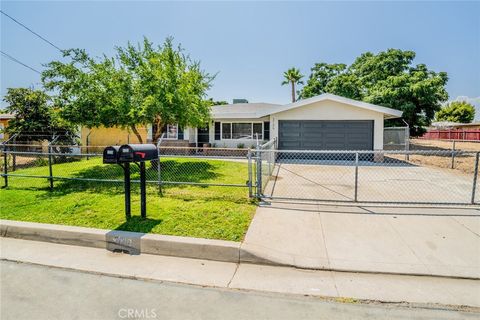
{"type": "Point", "coordinates": [330, 122]}
{"type": "Point", "coordinates": [325, 134]}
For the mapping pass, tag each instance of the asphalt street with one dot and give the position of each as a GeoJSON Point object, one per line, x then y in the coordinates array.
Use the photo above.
{"type": "Point", "coordinates": [31, 291]}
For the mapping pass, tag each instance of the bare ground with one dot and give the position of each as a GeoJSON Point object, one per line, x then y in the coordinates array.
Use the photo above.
{"type": "Point", "coordinates": [463, 163]}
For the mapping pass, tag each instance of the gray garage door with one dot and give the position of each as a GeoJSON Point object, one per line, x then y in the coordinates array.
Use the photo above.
{"type": "Point", "coordinates": [325, 135]}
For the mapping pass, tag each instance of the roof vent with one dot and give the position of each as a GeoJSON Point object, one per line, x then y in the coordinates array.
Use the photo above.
{"type": "Point", "coordinates": [240, 101]}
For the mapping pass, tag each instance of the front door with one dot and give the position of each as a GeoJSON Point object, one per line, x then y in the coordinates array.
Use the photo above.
{"type": "Point", "coordinates": [203, 135]}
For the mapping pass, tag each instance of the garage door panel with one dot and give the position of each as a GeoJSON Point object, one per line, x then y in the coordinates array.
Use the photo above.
{"type": "Point", "coordinates": [335, 135]}
{"type": "Point", "coordinates": [292, 145]}
{"type": "Point", "coordinates": [290, 135]}
{"type": "Point", "coordinates": [326, 134]}
{"type": "Point", "coordinates": [291, 124]}
{"type": "Point", "coordinates": [312, 145]}
{"type": "Point", "coordinates": [313, 135]}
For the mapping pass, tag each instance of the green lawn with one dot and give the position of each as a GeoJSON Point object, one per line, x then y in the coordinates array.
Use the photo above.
{"type": "Point", "coordinates": [206, 212]}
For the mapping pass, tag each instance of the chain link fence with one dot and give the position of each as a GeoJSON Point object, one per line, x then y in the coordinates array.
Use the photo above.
{"type": "Point", "coordinates": [416, 176]}
{"type": "Point", "coordinates": [217, 173]}
{"type": "Point", "coordinates": [264, 164]}
{"type": "Point", "coordinates": [372, 176]}
{"type": "Point", "coordinates": [396, 138]}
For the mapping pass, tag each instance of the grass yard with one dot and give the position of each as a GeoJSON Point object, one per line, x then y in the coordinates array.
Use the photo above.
{"type": "Point", "coordinates": [205, 212]}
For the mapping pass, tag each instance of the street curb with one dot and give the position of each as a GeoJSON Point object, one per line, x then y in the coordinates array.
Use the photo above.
{"type": "Point", "coordinates": [137, 243]}
{"type": "Point", "coordinates": [131, 242]}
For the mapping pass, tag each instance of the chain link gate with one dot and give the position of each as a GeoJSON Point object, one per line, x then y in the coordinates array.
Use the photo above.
{"type": "Point", "coordinates": [396, 177]}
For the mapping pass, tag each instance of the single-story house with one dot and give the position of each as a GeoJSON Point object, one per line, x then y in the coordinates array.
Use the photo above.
{"type": "Point", "coordinates": [324, 122]}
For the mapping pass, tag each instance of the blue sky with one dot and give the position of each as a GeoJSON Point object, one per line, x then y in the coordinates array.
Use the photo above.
{"type": "Point", "coordinates": [250, 44]}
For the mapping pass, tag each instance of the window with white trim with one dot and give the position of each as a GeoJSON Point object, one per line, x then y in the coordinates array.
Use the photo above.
{"type": "Point", "coordinates": [172, 131]}
{"type": "Point", "coordinates": [242, 130]}
{"type": "Point", "coordinates": [226, 131]}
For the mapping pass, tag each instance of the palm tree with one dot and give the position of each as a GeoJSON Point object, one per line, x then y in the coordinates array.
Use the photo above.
{"type": "Point", "coordinates": [292, 76]}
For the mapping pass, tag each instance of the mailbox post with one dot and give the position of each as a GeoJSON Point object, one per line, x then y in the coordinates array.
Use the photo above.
{"type": "Point", "coordinates": [123, 156]}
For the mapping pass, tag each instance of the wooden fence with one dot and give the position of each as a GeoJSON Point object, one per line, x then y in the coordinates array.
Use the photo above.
{"type": "Point", "coordinates": [453, 134]}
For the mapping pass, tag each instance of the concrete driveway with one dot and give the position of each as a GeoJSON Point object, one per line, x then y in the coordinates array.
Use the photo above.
{"type": "Point", "coordinates": [388, 239]}
{"type": "Point", "coordinates": [376, 183]}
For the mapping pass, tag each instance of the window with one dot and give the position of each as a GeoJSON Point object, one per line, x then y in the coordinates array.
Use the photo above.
{"type": "Point", "coordinates": [226, 131]}
{"type": "Point", "coordinates": [241, 130]}
{"type": "Point", "coordinates": [266, 130]}
{"type": "Point", "coordinates": [172, 131]}
{"type": "Point", "coordinates": [180, 133]}
{"type": "Point", "coordinates": [217, 131]}
{"type": "Point", "coordinates": [2, 127]}
{"type": "Point", "coordinates": [257, 130]}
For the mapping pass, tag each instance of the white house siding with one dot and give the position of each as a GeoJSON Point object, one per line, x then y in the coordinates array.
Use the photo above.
{"type": "Point", "coordinates": [189, 134]}
{"type": "Point", "coordinates": [331, 110]}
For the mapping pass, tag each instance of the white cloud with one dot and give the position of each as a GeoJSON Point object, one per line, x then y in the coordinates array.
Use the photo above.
{"type": "Point", "coordinates": [474, 101]}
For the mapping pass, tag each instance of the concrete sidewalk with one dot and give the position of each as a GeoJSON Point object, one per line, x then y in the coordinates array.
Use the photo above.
{"type": "Point", "coordinates": [418, 291]}
{"type": "Point", "coordinates": [403, 240]}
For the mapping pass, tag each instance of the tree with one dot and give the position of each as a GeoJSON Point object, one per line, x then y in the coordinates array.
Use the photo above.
{"type": "Point", "coordinates": [140, 85]}
{"type": "Point", "coordinates": [388, 79]}
{"type": "Point", "coordinates": [212, 102]}
{"type": "Point", "coordinates": [292, 76]}
{"type": "Point", "coordinates": [322, 74]}
{"type": "Point", "coordinates": [456, 111]}
{"type": "Point", "coordinates": [35, 118]}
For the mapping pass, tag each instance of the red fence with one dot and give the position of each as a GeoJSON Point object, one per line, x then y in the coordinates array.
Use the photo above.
{"type": "Point", "coordinates": [454, 134]}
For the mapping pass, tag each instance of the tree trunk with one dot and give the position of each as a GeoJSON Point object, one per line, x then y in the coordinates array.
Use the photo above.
{"type": "Point", "coordinates": [293, 91]}
{"type": "Point", "coordinates": [158, 129]}
{"type": "Point", "coordinates": [139, 136]}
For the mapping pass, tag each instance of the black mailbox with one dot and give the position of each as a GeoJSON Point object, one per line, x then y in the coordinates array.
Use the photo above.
{"type": "Point", "coordinates": [123, 156]}
{"type": "Point", "coordinates": [137, 153]}
{"type": "Point", "coordinates": [110, 154]}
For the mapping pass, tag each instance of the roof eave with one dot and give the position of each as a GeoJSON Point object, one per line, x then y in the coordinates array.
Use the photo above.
{"type": "Point", "coordinates": [388, 112]}
{"type": "Point", "coordinates": [236, 116]}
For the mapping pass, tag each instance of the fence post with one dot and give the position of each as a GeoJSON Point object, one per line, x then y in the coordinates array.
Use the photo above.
{"type": "Point", "coordinates": [159, 171]}
{"type": "Point", "coordinates": [407, 142]}
{"type": "Point", "coordinates": [356, 177]}
{"type": "Point", "coordinates": [5, 166]}
{"type": "Point", "coordinates": [259, 174]}
{"type": "Point", "coordinates": [14, 157]}
{"type": "Point", "coordinates": [475, 174]}
{"type": "Point", "coordinates": [50, 170]}
{"type": "Point", "coordinates": [453, 155]}
{"type": "Point", "coordinates": [87, 141]}
{"type": "Point", "coordinates": [249, 157]}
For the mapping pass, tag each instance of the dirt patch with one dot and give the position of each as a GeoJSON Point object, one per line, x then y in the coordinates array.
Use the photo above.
{"type": "Point", "coordinates": [462, 163]}
{"type": "Point", "coordinates": [421, 144]}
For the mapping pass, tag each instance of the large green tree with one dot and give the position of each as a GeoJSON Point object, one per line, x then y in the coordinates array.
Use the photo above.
{"type": "Point", "coordinates": [293, 77]}
{"type": "Point", "coordinates": [389, 79]}
{"type": "Point", "coordinates": [456, 111]}
{"type": "Point", "coordinates": [35, 117]}
{"type": "Point", "coordinates": [140, 85]}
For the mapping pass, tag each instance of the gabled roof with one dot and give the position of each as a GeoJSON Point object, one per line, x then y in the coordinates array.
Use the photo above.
{"type": "Point", "coordinates": [388, 113]}
{"type": "Point", "coordinates": [259, 110]}
{"type": "Point", "coordinates": [243, 110]}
